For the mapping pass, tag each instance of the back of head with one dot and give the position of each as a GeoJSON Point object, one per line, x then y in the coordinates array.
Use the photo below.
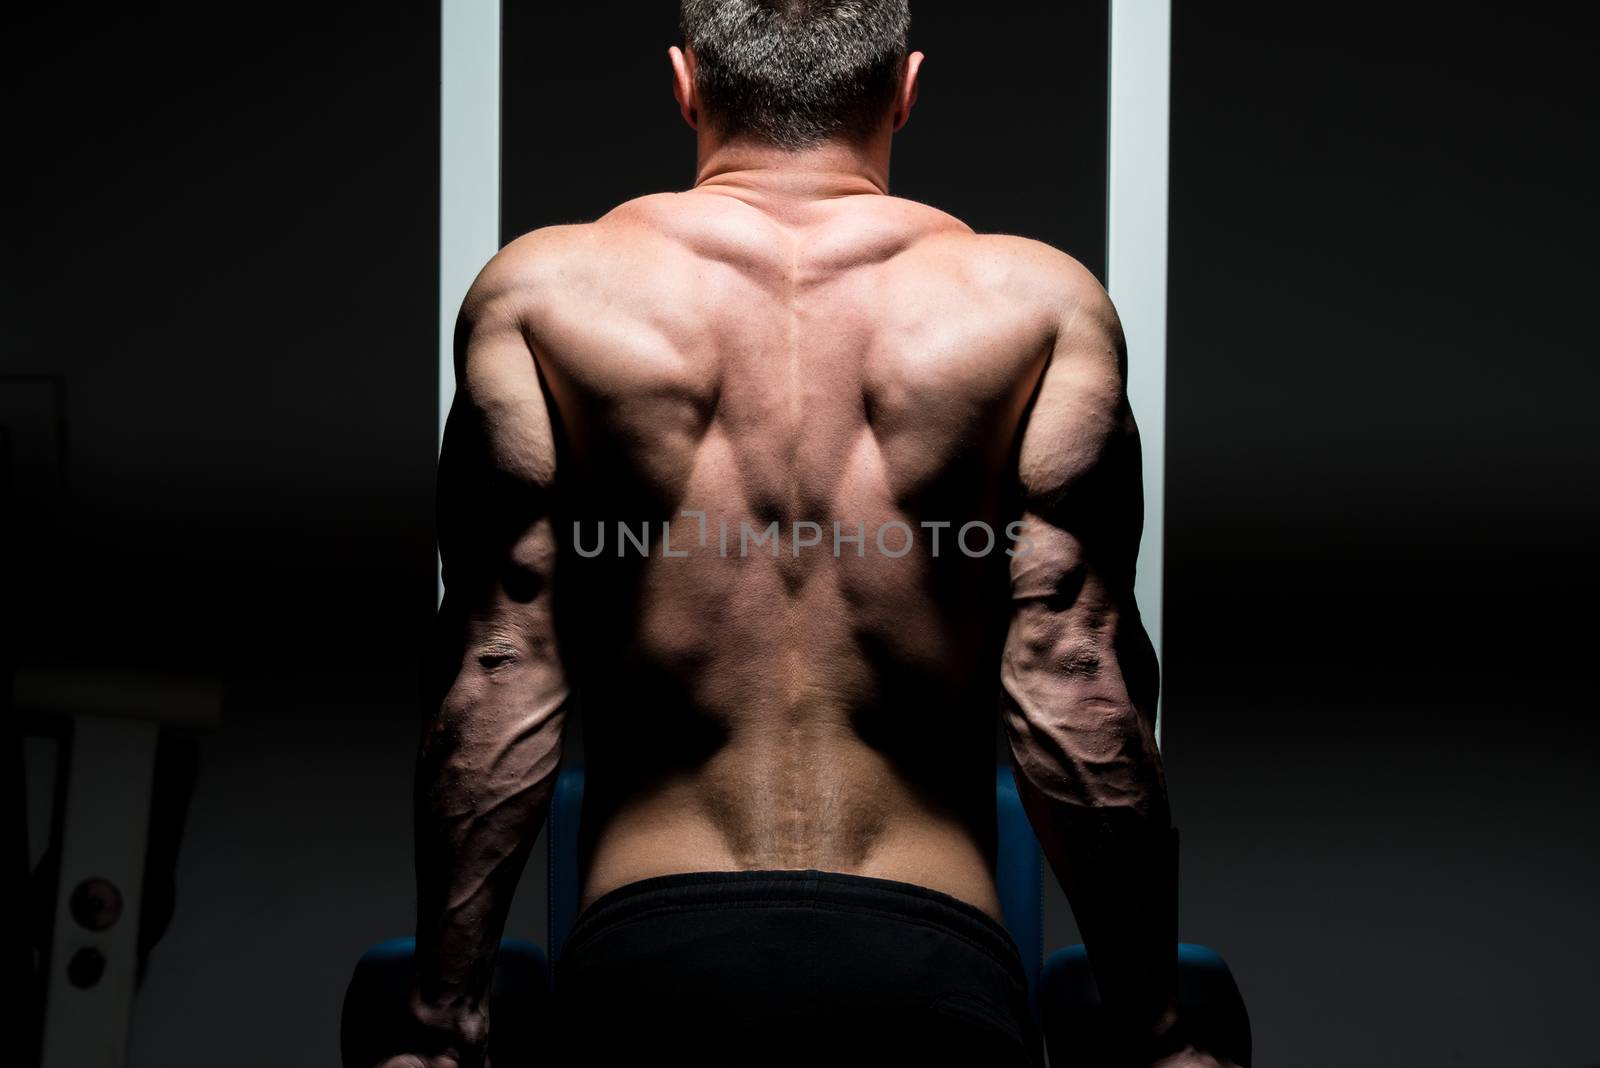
{"type": "Point", "coordinates": [796, 73]}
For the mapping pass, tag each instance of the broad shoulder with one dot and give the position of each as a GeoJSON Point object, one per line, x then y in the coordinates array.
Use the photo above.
{"type": "Point", "coordinates": [520, 271]}
{"type": "Point", "coordinates": [1024, 269]}
{"type": "Point", "coordinates": [1033, 280]}
{"type": "Point", "coordinates": [642, 234]}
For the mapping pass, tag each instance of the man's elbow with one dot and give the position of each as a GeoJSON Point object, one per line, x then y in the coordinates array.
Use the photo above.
{"type": "Point", "coordinates": [1100, 759]}
{"type": "Point", "coordinates": [498, 710]}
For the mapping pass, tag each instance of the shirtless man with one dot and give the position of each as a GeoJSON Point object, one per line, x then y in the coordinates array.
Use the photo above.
{"type": "Point", "coordinates": [789, 828]}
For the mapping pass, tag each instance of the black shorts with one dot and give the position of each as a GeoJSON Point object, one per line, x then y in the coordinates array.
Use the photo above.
{"type": "Point", "coordinates": [789, 967]}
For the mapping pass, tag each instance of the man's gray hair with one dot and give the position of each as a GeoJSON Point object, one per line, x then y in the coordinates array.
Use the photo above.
{"type": "Point", "coordinates": [795, 73]}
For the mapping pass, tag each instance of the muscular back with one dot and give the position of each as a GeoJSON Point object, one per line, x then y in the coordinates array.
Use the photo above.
{"type": "Point", "coordinates": [770, 475]}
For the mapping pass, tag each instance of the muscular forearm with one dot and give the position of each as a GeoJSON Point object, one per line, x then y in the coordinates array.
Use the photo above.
{"type": "Point", "coordinates": [1118, 866]}
{"type": "Point", "coordinates": [485, 775]}
{"type": "Point", "coordinates": [1091, 782]}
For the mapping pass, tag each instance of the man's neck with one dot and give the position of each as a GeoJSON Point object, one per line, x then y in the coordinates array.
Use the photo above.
{"type": "Point", "coordinates": [832, 169]}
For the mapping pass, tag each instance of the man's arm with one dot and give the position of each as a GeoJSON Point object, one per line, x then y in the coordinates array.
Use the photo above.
{"type": "Point", "coordinates": [491, 744]}
{"type": "Point", "coordinates": [1080, 678]}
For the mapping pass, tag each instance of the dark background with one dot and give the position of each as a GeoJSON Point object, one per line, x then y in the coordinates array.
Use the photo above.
{"type": "Point", "coordinates": [1381, 461]}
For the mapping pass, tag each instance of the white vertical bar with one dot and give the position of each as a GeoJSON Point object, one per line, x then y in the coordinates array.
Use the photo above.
{"type": "Point", "coordinates": [469, 163]}
{"type": "Point", "coordinates": [104, 827]}
{"type": "Point", "coordinates": [1136, 254]}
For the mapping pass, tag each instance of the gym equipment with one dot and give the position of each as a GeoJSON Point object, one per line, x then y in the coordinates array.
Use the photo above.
{"type": "Point", "coordinates": [1074, 1024]}
{"type": "Point", "coordinates": [103, 920]}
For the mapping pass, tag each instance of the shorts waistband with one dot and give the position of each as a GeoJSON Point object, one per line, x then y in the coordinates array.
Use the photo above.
{"type": "Point", "coordinates": [797, 887]}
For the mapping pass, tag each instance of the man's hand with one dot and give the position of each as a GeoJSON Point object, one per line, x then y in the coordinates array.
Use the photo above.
{"type": "Point", "coordinates": [455, 1043]}
{"type": "Point", "coordinates": [1188, 1057]}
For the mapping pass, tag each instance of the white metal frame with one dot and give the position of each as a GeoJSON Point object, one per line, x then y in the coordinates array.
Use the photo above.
{"type": "Point", "coordinates": [109, 768]}
{"type": "Point", "coordinates": [1136, 255]}
{"type": "Point", "coordinates": [1136, 207]}
{"type": "Point", "coordinates": [104, 829]}
{"type": "Point", "coordinates": [469, 166]}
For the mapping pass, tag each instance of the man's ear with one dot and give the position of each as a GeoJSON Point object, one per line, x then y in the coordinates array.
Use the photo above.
{"type": "Point", "coordinates": [908, 89]}
{"type": "Point", "coordinates": [683, 85]}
